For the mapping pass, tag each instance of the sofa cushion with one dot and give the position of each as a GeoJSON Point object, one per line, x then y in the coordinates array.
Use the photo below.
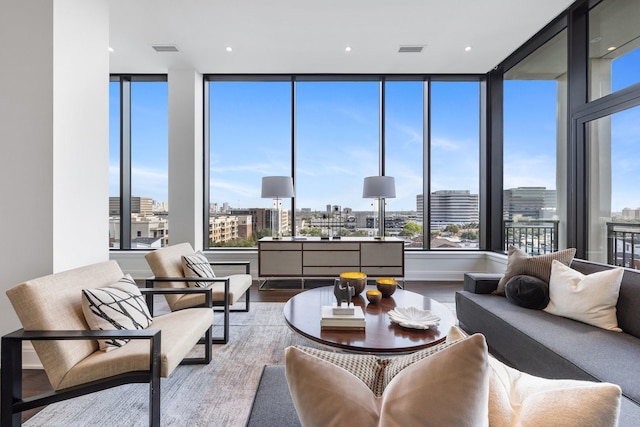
{"type": "Point", "coordinates": [527, 291]}
{"type": "Point", "coordinates": [117, 307]}
{"type": "Point", "coordinates": [589, 298]}
{"type": "Point", "coordinates": [519, 262]}
{"type": "Point", "coordinates": [197, 265]}
{"type": "Point", "coordinates": [550, 346]}
{"type": "Point", "coordinates": [327, 394]}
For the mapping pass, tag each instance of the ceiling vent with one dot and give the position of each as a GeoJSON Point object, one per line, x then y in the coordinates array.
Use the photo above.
{"type": "Point", "coordinates": [410, 49]}
{"type": "Point", "coordinates": [165, 48]}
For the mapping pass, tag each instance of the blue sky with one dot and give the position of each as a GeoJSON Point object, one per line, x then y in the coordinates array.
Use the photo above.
{"type": "Point", "coordinates": [337, 139]}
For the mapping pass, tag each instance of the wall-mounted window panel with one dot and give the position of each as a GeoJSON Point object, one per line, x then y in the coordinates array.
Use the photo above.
{"type": "Point", "coordinates": [114, 163]}
{"type": "Point", "coordinates": [404, 159]}
{"type": "Point", "coordinates": [249, 138]}
{"type": "Point", "coordinates": [337, 145]}
{"type": "Point", "coordinates": [149, 164]}
{"type": "Point", "coordinates": [614, 199]}
{"type": "Point", "coordinates": [614, 46]}
{"type": "Point", "coordinates": [138, 162]}
{"type": "Point", "coordinates": [454, 164]}
{"type": "Point", "coordinates": [535, 147]}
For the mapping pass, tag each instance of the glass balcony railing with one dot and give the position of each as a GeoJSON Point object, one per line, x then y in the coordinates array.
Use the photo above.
{"type": "Point", "coordinates": [623, 244]}
{"type": "Point", "coordinates": [535, 237]}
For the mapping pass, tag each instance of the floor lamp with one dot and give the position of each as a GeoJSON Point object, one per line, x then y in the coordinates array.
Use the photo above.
{"type": "Point", "coordinates": [277, 187]}
{"type": "Point", "coordinates": [379, 187]}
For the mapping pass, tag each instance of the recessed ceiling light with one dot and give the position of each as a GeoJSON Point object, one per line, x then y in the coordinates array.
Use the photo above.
{"type": "Point", "coordinates": [595, 39]}
{"type": "Point", "coordinates": [110, 49]}
{"type": "Point", "coordinates": [467, 49]}
{"type": "Point", "coordinates": [347, 49]}
{"type": "Point", "coordinates": [229, 49]}
{"type": "Point", "coordinates": [611, 48]}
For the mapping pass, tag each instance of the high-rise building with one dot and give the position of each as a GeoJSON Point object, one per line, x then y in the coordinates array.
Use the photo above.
{"type": "Point", "coordinates": [420, 206]}
{"type": "Point", "coordinates": [453, 207]}
{"type": "Point", "coordinates": [529, 202]}
{"type": "Point", "coordinates": [139, 205]}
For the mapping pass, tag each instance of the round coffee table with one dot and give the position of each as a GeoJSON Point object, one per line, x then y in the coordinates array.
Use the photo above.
{"type": "Point", "coordinates": [303, 312]}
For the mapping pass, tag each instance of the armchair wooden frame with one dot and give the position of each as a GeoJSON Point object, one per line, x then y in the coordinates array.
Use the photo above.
{"type": "Point", "coordinates": [13, 403]}
{"type": "Point", "coordinates": [149, 283]}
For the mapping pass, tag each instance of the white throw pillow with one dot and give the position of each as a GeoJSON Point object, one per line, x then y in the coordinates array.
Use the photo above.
{"type": "Point", "coordinates": [119, 306]}
{"type": "Point", "coordinates": [197, 265]}
{"type": "Point", "coordinates": [446, 385]}
{"type": "Point", "coordinates": [517, 399]}
{"type": "Point", "coordinates": [589, 298]}
{"type": "Point", "coordinates": [523, 400]}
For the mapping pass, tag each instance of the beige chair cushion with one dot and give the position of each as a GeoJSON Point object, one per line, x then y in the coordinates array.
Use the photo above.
{"type": "Point", "coordinates": [180, 331]}
{"type": "Point", "coordinates": [167, 262]}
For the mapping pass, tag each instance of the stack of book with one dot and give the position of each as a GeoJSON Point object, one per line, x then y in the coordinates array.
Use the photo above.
{"type": "Point", "coordinates": [340, 319]}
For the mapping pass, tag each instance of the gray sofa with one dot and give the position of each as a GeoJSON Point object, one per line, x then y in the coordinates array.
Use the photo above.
{"type": "Point", "coordinates": [549, 346]}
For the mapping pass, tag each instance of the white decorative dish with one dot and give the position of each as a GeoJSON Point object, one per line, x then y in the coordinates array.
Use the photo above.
{"type": "Point", "coordinates": [412, 317]}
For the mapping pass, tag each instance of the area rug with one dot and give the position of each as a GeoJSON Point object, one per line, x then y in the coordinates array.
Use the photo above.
{"type": "Point", "coordinates": [273, 406]}
{"type": "Point", "coordinates": [218, 394]}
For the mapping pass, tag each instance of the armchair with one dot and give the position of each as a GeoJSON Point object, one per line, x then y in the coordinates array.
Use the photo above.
{"type": "Point", "coordinates": [166, 265]}
{"type": "Point", "coordinates": [50, 310]}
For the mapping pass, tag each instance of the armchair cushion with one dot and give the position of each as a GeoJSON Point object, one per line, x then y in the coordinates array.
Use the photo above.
{"type": "Point", "coordinates": [119, 306]}
{"type": "Point", "coordinates": [197, 265]}
{"type": "Point", "coordinates": [180, 330]}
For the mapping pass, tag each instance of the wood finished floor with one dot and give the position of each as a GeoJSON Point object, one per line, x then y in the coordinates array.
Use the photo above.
{"type": "Point", "coordinates": [35, 381]}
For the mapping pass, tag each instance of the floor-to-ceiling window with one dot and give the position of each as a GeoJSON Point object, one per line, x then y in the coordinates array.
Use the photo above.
{"type": "Point", "coordinates": [249, 138]}
{"type": "Point", "coordinates": [454, 165]}
{"type": "Point", "coordinates": [404, 157]}
{"type": "Point", "coordinates": [328, 134]}
{"type": "Point", "coordinates": [613, 137]}
{"type": "Point", "coordinates": [614, 196]}
{"type": "Point", "coordinates": [138, 162]}
{"type": "Point", "coordinates": [337, 145]}
{"type": "Point", "coordinates": [535, 147]}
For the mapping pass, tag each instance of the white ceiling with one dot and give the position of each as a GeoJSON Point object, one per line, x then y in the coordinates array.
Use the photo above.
{"type": "Point", "coordinates": [303, 36]}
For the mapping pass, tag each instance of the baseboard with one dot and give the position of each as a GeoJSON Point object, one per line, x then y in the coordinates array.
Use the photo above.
{"type": "Point", "coordinates": [30, 359]}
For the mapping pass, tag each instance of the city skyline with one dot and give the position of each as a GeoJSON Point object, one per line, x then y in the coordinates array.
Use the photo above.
{"type": "Point", "coordinates": [337, 136]}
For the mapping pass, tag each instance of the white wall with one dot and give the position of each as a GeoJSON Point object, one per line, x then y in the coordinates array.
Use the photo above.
{"type": "Point", "coordinates": [53, 139]}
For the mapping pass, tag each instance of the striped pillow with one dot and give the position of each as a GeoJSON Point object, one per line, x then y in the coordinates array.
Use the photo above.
{"type": "Point", "coordinates": [197, 265]}
{"type": "Point", "coordinates": [119, 306]}
{"type": "Point", "coordinates": [519, 263]}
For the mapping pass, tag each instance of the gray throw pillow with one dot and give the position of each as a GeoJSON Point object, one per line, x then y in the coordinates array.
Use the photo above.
{"type": "Point", "coordinates": [527, 291]}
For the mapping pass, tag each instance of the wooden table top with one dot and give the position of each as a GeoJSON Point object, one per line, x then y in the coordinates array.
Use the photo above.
{"type": "Point", "coordinates": [303, 312]}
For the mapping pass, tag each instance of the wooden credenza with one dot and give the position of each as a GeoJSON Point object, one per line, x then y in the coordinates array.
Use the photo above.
{"type": "Point", "coordinates": [313, 257]}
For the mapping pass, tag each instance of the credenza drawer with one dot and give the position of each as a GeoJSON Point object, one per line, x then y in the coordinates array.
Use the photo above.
{"type": "Point", "coordinates": [329, 259]}
{"type": "Point", "coordinates": [328, 271]}
{"type": "Point", "coordinates": [280, 263]}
